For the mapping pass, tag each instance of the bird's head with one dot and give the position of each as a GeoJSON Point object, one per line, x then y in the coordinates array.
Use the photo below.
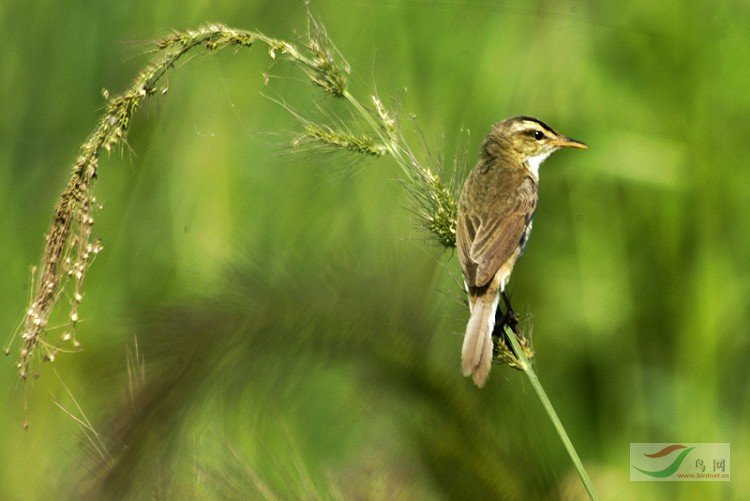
{"type": "Point", "coordinates": [527, 139]}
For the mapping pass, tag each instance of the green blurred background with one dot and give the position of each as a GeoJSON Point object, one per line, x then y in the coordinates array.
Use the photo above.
{"type": "Point", "coordinates": [299, 335]}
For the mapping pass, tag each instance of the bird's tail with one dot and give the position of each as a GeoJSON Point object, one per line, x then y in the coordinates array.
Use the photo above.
{"type": "Point", "coordinates": [476, 354]}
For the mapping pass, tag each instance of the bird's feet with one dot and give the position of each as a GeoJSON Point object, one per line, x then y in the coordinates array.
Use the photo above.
{"type": "Point", "coordinates": [505, 316]}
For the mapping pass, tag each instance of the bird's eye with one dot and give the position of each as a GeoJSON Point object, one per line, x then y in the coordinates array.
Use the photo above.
{"type": "Point", "coordinates": [538, 135]}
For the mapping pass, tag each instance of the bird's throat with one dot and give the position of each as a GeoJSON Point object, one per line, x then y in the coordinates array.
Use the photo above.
{"type": "Point", "coordinates": [534, 162]}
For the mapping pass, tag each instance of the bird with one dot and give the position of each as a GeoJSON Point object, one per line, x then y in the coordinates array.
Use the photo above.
{"type": "Point", "coordinates": [495, 212]}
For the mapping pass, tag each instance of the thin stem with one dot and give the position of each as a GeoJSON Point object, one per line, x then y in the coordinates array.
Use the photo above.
{"type": "Point", "coordinates": [525, 365]}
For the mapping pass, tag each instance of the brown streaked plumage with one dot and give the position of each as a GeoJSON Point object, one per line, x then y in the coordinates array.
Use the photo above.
{"type": "Point", "coordinates": [495, 211]}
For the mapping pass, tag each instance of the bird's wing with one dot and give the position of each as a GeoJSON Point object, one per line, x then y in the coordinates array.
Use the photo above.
{"type": "Point", "coordinates": [466, 230]}
{"type": "Point", "coordinates": [489, 241]}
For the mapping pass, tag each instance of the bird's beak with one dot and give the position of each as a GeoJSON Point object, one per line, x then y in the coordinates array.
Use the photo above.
{"type": "Point", "coordinates": [564, 142]}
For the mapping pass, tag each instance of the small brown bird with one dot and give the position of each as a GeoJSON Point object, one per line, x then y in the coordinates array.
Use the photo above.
{"type": "Point", "coordinates": [495, 212]}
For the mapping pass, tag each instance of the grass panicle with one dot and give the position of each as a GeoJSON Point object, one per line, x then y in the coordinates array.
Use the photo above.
{"type": "Point", "coordinates": [69, 247]}
{"type": "Point", "coordinates": [336, 139]}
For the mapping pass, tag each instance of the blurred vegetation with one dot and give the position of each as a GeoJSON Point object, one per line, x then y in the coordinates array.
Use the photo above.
{"type": "Point", "coordinates": [299, 336]}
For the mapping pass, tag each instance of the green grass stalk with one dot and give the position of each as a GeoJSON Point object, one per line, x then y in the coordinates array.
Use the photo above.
{"type": "Point", "coordinates": [525, 365]}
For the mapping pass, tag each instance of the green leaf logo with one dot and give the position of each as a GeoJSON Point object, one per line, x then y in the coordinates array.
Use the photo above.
{"type": "Point", "coordinates": [672, 468]}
